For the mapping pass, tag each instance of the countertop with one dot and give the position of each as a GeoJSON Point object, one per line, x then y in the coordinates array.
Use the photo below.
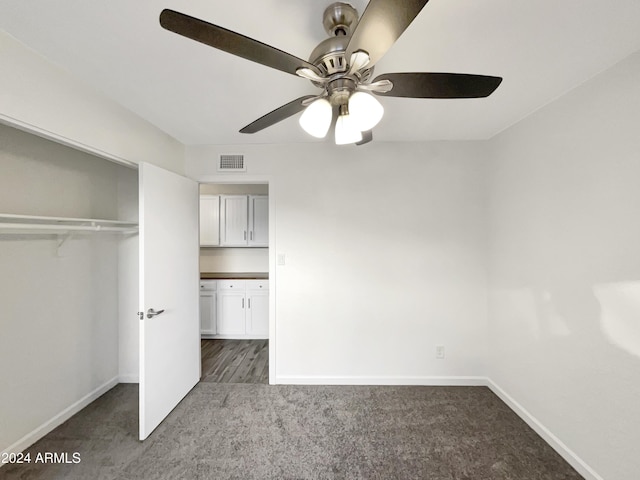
{"type": "Point", "coordinates": [238, 276]}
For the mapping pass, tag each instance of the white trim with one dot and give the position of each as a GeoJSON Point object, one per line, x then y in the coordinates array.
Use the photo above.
{"type": "Point", "coordinates": [69, 142]}
{"type": "Point", "coordinates": [243, 178]}
{"type": "Point", "coordinates": [233, 336]}
{"type": "Point", "coordinates": [128, 378]}
{"type": "Point", "coordinates": [48, 426]}
{"type": "Point", "coordinates": [380, 380]}
{"type": "Point", "coordinates": [554, 442]}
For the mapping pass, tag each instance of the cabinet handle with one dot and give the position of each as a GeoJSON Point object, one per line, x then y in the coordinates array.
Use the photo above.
{"type": "Point", "coordinates": [243, 303]}
{"type": "Point", "coordinates": [245, 234]}
{"type": "Point", "coordinates": [249, 302]}
{"type": "Point", "coordinates": [251, 235]}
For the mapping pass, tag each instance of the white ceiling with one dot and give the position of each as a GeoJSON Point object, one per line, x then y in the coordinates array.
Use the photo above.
{"type": "Point", "coordinates": [200, 95]}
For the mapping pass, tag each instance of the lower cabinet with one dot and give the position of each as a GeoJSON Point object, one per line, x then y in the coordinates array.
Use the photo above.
{"type": "Point", "coordinates": [231, 308]}
{"type": "Point", "coordinates": [242, 309]}
{"type": "Point", "coordinates": [208, 308]}
{"type": "Point", "coordinates": [258, 311]}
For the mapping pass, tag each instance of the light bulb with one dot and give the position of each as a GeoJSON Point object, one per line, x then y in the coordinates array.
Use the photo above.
{"type": "Point", "coordinates": [346, 131]}
{"type": "Point", "coordinates": [316, 119]}
{"type": "Point", "coordinates": [365, 110]}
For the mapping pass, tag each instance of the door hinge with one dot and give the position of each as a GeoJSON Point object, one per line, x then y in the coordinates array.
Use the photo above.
{"type": "Point", "coordinates": [141, 315]}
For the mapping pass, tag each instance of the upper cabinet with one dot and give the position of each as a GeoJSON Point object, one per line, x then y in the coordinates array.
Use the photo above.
{"type": "Point", "coordinates": [234, 220]}
{"type": "Point", "coordinates": [258, 220]}
{"type": "Point", "coordinates": [209, 220]}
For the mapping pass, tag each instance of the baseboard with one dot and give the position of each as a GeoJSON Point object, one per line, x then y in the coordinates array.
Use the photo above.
{"type": "Point", "coordinates": [35, 435]}
{"type": "Point", "coordinates": [382, 380]}
{"type": "Point", "coordinates": [128, 378]}
{"type": "Point", "coordinates": [208, 336]}
{"type": "Point", "coordinates": [565, 452]}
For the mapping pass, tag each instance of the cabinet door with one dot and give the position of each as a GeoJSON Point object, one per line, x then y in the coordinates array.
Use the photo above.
{"type": "Point", "coordinates": [233, 220]}
{"type": "Point", "coordinates": [231, 313]}
{"type": "Point", "coordinates": [208, 313]}
{"type": "Point", "coordinates": [209, 220]}
{"type": "Point", "coordinates": [259, 220]}
{"type": "Point", "coordinates": [258, 313]}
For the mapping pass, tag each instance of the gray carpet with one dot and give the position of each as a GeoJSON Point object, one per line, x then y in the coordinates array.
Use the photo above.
{"type": "Point", "coordinates": [241, 431]}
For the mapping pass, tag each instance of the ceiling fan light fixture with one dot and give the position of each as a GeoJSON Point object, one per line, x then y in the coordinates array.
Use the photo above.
{"type": "Point", "coordinates": [365, 110]}
{"type": "Point", "coordinates": [346, 131]}
{"type": "Point", "coordinates": [316, 119]}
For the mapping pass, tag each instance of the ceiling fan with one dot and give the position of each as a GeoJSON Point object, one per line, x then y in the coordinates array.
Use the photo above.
{"type": "Point", "coordinates": [342, 66]}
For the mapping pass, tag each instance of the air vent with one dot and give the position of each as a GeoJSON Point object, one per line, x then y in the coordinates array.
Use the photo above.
{"type": "Point", "coordinates": [232, 163]}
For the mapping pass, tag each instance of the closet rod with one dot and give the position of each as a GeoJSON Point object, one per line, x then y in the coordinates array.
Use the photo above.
{"type": "Point", "coordinates": [65, 228]}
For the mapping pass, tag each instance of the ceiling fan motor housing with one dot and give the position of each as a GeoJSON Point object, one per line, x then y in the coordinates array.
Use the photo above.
{"type": "Point", "coordinates": [339, 20]}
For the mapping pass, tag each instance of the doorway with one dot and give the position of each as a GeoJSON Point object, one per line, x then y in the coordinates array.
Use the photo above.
{"type": "Point", "coordinates": [234, 282]}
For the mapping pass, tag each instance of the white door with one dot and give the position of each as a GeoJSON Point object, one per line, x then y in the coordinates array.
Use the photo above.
{"type": "Point", "coordinates": [169, 282]}
{"type": "Point", "coordinates": [233, 218]}
{"type": "Point", "coordinates": [259, 220]}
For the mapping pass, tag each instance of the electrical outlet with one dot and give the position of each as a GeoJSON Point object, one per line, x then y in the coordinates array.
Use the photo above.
{"type": "Point", "coordinates": [440, 351]}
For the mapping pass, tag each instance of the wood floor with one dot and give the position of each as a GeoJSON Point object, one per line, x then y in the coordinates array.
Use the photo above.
{"type": "Point", "coordinates": [235, 361]}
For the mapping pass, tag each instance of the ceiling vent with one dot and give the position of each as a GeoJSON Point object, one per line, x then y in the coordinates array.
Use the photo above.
{"type": "Point", "coordinates": [231, 163]}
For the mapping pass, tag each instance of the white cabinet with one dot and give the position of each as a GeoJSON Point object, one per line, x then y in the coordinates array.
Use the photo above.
{"type": "Point", "coordinates": [209, 220]}
{"type": "Point", "coordinates": [243, 308]}
{"type": "Point", "coordinates": [208, 308]}
{"type": "Point", "coordinates": [231, 307]}
{"type": "Point", "coordinates": [258, 307]}
{"type": "Point", "coordinates": [244, 220]}
{"type": "Point", "coordinates": [258, 220]}
{"type": "Point", "coordinates": [234, 220]}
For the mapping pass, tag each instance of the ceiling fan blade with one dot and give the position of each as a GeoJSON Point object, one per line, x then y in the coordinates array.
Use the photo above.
{"type": "Point", "coordinates": [366, 137]}
{"type": "Point", "coordinates": [277, 115]}
{"type": "Point", "coordinates": [381, 24]}
{"type": "Point", "coordinates": [439, 85]}
{"type": "Point", "coordinates": [232, 42]}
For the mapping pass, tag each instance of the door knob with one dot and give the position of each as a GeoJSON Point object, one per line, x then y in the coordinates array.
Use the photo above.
{"type": "Point", "coordinates": [152, 313]}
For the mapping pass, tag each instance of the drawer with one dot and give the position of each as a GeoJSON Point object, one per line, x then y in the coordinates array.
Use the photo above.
{"type": "Point", "coordinates": [257, 284]}
{"type": "Point", "coordinates": [208, 285]}
{"type": "Point", "coordinates": [231, 284]}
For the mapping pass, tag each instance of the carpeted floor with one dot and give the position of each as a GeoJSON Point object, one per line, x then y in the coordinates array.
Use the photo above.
{"type": "Point", "coordinates": [243, 431]}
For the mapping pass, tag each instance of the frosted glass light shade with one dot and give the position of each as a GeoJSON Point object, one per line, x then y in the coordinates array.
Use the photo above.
{"type": "Point", "coordinates": [365, 110]}
{"type": "Point", "coordinates": [316, 119]}
{"type": "Point", "coordinates": [346, 131]}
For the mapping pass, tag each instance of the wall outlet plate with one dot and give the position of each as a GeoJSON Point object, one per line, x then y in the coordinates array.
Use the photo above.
{"type": "Point", "coordinates": [440, 351]}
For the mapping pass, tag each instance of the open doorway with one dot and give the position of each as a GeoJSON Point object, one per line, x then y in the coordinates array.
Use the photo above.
{"type": "Point", "coordinates": [234, 282]}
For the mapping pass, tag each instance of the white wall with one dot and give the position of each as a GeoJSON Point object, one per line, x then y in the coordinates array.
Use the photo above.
{"type": "Point", "coordinates": [58, 314]}
{"type": "Point", "coordinates": [385, 258]}
{"type": "Point", "coordinates": [39, 97]}
{"type": "Point", "coordinates": [234, 260]}
{"type": "Point", "coordinates": [565, 261]}
{"type": "Point", "coordinates": [234, 189]}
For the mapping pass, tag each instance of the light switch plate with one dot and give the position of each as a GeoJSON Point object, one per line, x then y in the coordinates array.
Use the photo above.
{"type": "Point", "coordinates": [281, 259]}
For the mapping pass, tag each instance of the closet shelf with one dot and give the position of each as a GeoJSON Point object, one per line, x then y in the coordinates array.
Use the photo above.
{"type": "Point", "coordinates": [31, 224]}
